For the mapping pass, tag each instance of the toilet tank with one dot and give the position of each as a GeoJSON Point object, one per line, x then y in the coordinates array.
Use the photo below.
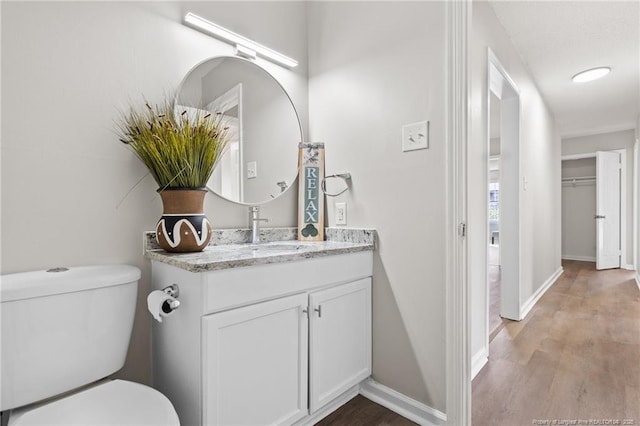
{"type": "Point", "coordinates": [63, 328]}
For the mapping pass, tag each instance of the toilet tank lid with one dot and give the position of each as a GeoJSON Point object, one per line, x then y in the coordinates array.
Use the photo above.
{"type": "Point", "coordinates": [26, 285]}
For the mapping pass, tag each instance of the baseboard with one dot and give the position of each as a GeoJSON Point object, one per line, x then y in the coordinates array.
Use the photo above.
{"type": "Point", "coordinates": [529, 304]}
{"type": "Point", "coordinates": [578, 258]}
{"type": "Point", "coordinates": [478, 361]}
{"type": "Point", "coordinates": [329, 408]}
{"type": "Point", "coordinates": [402, 404]}
{"type": "Point", "coordinates": [593, 259]}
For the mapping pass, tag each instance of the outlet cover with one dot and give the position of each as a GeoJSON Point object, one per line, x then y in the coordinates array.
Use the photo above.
{"type": "Point", "coordinates": [252, 170]}
{"type": "Point", "coordinates": [415, 136]}
{"type": "Point", "coordinates": [341, 213]}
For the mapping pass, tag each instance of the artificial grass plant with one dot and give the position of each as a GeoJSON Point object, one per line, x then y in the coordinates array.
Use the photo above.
{"type": "Point", "coordinates": [180, 149]}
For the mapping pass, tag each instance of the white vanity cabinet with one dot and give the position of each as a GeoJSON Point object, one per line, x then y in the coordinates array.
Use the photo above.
{"type": "Point", "coordinates": [264, 344]}
{"type": "Point", "coordinates": [339, 340]}
{"type": "Point", "coordinates": [255, 363]}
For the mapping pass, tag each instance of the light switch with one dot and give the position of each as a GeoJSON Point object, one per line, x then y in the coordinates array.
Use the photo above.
{"type": "Point", "coordinates": [415, 136]}
{"type": "Point", "coordinates": [252, 170]}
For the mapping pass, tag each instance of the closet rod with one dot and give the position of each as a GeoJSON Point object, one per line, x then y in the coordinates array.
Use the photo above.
{"type": "Point", "coordinates": [578, 178]}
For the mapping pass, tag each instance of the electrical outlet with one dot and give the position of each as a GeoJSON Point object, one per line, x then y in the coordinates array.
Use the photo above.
{"type": "Point", "coordinates": [415, 136]}
{"type": "Point", "coordinates": [252, 170]}
{"type": "Point", "coordinates": [341, 213]}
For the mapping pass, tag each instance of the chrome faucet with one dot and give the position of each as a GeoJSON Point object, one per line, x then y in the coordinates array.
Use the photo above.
{"type": "Point", "coordinates": [254, 218]}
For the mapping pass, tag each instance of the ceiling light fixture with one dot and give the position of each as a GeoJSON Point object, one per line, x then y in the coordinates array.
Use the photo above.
{"type": "Point", "coordinates": [243, 44]}
{"type": "Point", "coordinates": [590, 75]}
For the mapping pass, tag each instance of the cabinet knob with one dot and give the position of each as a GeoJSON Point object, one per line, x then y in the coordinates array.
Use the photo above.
{"type": "Point", "coordinates": [305, 311]}
{"type": "Point", "coordinates": [319, 311]}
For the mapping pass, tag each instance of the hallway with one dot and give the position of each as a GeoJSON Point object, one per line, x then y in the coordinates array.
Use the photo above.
{"type": "Point", "coordinates": [576, 356]}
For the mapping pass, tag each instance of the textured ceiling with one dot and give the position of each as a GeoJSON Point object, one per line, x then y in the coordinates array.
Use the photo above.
{"type": "Point", "coordinates": [557, 39]}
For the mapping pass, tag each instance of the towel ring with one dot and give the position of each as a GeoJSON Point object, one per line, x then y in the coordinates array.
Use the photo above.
{"type": "Point", "coordinates": [346, 177]}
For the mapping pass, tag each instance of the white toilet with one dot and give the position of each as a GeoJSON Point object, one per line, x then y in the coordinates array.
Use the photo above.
{"type": "Point", "coordinates": [63, 332]}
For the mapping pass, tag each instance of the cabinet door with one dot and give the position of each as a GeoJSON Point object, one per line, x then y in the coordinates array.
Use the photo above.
{"type": "Point", "coordinates": [340, 340]}
{"type": "Point", "coordinates": [255, 362]}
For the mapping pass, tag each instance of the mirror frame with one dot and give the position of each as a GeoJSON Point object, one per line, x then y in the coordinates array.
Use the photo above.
{"type": "Point", "coordinates": [252, 63]}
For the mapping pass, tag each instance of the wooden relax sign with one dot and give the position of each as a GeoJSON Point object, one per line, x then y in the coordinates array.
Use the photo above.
{"type": "Point", "coordinates": [310, 196]}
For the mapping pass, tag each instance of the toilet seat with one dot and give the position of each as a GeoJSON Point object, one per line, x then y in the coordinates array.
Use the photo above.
{"type": "Point", "coordinates": [116, 402]}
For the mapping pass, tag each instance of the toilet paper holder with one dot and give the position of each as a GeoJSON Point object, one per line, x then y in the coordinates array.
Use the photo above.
{"type": "Point", "coordinates": [171, 305]}
{"type": "Point", "coordinates": [172, 290]}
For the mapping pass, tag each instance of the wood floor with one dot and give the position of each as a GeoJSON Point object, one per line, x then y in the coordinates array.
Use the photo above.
{"type": "Point", "coordinates": [575, 357]}
{"type": "Point", "coordinates": [362, 412]}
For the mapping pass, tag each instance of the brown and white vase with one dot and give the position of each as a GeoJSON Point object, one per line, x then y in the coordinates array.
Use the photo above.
{"type": "Point", "coordinates": [183, 227]}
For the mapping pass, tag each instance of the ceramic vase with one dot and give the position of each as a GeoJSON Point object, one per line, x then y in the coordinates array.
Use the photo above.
{"type": "Point", "coordinates": [183, 227]}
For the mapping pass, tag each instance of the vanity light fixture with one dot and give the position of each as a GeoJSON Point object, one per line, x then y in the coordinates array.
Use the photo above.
{"type": "Point", "coordinates": [244, 46]}
{"type": "Point", "coordinates": [245, 52]}
{"type": "Point", "coordinates": [590, 75]}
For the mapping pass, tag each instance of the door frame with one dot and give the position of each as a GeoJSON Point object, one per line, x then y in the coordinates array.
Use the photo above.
{"type": "Point", "coordinates": [232, 98]}
{"type": "Point", "coordinates": [458, 326]}
{"type": "Point", "coordinates": [636, 203]}
{"type": "Point", "coordinates": [504, 88]}
{"type": "Point", "coordinates": [623, 199]}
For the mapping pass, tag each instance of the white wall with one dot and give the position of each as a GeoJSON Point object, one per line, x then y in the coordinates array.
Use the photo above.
{"type": "Point", "coordinates": [539, 164]}
{"type": "Point", "coordinates": [373, 67]}
{"type": "Point", "coordinates": [67, 67]}
{"type": "Point", "coordinates": [578, 209]}
{"type": "Point", "coordinates": [608, 142]}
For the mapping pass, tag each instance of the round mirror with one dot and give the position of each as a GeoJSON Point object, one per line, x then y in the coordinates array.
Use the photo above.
{"type": "Point", "coordinates": [261, 161]}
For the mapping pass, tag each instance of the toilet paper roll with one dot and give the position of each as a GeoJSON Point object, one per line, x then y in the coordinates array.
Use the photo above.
{"type": "Point", "coordinates": [158, 304]}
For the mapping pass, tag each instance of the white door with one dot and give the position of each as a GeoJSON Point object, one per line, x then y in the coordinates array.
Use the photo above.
{"type": "Point", "coordinates": [255, 364]}
{"type": "Point", "coordinates": [607, 210]}
{"type": "Point", "coordinates": [340, 340]}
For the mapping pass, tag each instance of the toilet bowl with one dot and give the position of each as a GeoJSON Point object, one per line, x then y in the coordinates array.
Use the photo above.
{"type": "Point", "coordinates": [63, 332]}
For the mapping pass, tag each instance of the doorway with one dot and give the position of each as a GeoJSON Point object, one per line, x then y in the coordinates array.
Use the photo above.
{"type": "Point", "coordinates": [503, 199]}
{"type": "Point", "coordinates": [578, 209]}
{"type": "Point", "coordinates": [493, 237]}
{"type": "Point", "coordinates": [594, 208]}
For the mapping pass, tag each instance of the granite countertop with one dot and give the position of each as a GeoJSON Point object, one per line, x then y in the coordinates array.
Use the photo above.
{"type": "Point", "coordinates": [230, 248]}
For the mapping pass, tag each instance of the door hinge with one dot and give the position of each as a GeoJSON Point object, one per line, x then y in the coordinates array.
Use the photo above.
{"type": "Point", "coordinates": [462, 229]}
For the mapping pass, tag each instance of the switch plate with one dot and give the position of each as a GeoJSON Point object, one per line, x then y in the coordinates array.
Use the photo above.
{"type": "Point", "coordinates": [252, 170]}
{"type": "Point", "coordinates": [415, 136]}
{"type": "Point", "coordinates": [341, 213]}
